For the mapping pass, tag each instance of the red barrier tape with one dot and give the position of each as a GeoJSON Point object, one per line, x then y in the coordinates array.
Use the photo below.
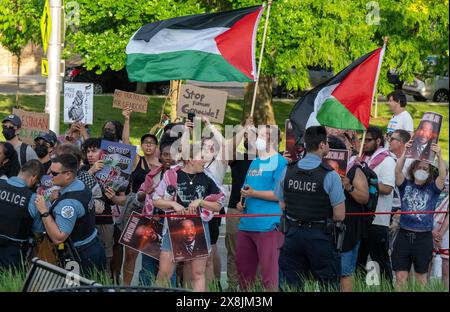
{"type": "Point", "coordinates": [241, 215]}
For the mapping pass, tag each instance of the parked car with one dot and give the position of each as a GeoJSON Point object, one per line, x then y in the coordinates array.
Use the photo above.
{"type": "Point", "coordinates": [317, 75]}
{"type": "Point", "coordinates": [434, 88]}
{"type": "Point", "coordinates": [109, 80]}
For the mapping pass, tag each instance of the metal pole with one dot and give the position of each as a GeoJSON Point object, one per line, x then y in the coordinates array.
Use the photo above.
{"type": "Point", "coordinates": [269, 3]}
{"type": "Point", "coordinates": [54, 62]}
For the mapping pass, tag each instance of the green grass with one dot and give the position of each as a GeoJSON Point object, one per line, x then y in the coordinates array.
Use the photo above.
{"type": "Point", "coordinates": [141, 123]}
{"type": "Point", "coordinates": [13, 282]}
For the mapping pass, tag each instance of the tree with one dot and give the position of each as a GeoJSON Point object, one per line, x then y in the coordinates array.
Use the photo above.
{"type": "Point", "coordinates": [19, 24]}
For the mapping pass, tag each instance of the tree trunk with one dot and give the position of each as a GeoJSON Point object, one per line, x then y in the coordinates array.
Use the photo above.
{"type": "Point", "coordinates": [18, 81]}
{"type": "Point", "coordinates": [141, 87]}
{"type": "Point", "coordinates": [173, 94]}
{"type": "Point", "coordinates": [263, 113]}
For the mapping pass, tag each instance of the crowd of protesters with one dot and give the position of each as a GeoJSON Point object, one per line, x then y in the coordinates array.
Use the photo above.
{"type": "Point", "coordinates": [257, 247]}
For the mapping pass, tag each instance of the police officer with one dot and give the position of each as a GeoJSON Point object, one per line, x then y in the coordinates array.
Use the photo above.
{"type": "Point", "coordinates": [71, 218]}
{"type": "Point", "coordinates": [18, 214]}
{"type": "Point", "coordinates": [312, 195]}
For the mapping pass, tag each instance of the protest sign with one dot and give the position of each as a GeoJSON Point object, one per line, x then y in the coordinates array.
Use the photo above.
{"type": "Point", "coordinates": [338, 160]}
{"type": "Point", "coordinates": [32, 124]}
{"type": "Point", "coordinates": [78, 102]}
{"type": "Point", "coordinates": [188, 239]}
{"type": "Point", "coordinates": [426, 134]}
{"type": "Point", "coordinates": [118, 160]}
{"type": "Point", "coordinates": [143, 234]}
{"type": "Point", "coordinates": [137, 102]}
{"type": "Point", "coordinates": [203, 102]}
{"type": "Point", "coordinates": [291, 142]}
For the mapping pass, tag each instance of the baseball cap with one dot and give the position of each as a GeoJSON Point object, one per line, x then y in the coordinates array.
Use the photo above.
{"type": "Point", "coordinates": [47, 137]}
{"type": "Point", "coordinates": [14, 119]}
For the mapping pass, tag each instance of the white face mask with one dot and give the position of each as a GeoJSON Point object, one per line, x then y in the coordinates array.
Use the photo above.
{"type": "Point", "coordinates": [261, 144]}
{"type": "Point", "coordinates": [421, 175]}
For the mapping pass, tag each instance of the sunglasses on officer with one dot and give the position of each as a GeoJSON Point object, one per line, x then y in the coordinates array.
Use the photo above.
{"type": "Point", "coordinates": [55, 174]}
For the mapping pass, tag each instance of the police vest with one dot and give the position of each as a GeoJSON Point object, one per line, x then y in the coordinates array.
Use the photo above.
{"type": "Point", "coordinates": [304, 195]}
{"type": "Point", "coordinates": [15, 219]}
{"type": "Point", "coordinates": [84, 226]}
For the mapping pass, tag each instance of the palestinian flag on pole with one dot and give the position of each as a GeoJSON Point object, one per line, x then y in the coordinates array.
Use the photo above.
{"type": "Point", "coordinates": [344, 101]}
{"type": "Point", "coordinates": [204, 47]}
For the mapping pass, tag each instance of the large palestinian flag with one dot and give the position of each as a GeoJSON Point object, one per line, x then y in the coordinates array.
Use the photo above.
{"type": "Point", "coordinates": [344, 101]}
{"type": "Point", "coordinates": [205, 47]}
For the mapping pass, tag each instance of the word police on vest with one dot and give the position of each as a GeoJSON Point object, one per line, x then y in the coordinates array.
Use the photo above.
{"type": "Point", "coordinates": [12, 198]}
{"type": "Point", "coordinates": [302, 185]}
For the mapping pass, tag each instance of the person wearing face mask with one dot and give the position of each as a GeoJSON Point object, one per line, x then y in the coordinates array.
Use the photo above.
{"type": "Point", "coordinates": [44, 146]}
{"type": "Point", "coordinates": [259, 239]}
{"type": "Point", "coordinates": [9, 163]}
{"type": "Point", "coordinates": [419, 192]}
{"type": "Point", "coordinates": [312, 196]}
{"type": "Point", "coordinates": [18, 215]}
{"type": "Point", "coordinates": [112, 131]}
{"type": "Point", "coordinates": [11, 128]}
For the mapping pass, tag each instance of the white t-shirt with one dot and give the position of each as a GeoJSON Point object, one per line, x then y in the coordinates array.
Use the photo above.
{"type": "Point", "coordinates": [386, 175]}
{"type": "Point", "coordinates": [401, 121]}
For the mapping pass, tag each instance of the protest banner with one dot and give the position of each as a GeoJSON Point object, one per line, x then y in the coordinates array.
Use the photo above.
{"type": "Point", "coordinates": [32, 124]}
{"type": "Point", "coordinates": [78, 102]}
{"type": "Point", "coordinates": [143, 234]}
{"type": "Point", "coordinates": [426, 134]}
{"type": "Point", "coordinates": [291, 142]}
{"type": "Point", "coordinates": [118, 160]}
{"type": "Point", "coordinates": [188, 239]}
{"type": "Point", "coordinates": [202, 102]}
{"type": "Point", "coordinates": [338, 160]}
{"type": "Point", "coordinates": [137, 102]}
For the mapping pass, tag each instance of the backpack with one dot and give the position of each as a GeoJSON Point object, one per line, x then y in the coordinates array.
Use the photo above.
{"type": "Point", "coordinates": [374, 192]}
{"type": "Point", "coordinates": [23, 154]}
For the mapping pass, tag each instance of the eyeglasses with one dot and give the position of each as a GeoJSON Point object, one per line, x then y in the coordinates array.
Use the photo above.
{"type": "Point", "coordinates": [55, 174]}
{"type": "Point", "coordinates": [393, 139]}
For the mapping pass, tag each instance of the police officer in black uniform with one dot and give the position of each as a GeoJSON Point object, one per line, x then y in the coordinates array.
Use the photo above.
{"type": "Point", "coordinates": [312, 197]}
{"type": "Point", "coordinates": [71, 218]}
{"type": "Point", "coordinates": [19, 216]}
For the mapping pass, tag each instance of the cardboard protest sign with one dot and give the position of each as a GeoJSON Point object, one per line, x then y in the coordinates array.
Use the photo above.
{"type": "Point", "coordinates": [188, 239]}
{"type": "Point", "coordinates": [137, 102]}
{"type": "Point", "coordinates": [203, 102]}
{"type": "Point", "coordinates": [78, 102]}
{"type": "Point", "coordinates": [143, 234]}
{"type": "Point", "coordinates": [426, 134]}
{"type": "Point", "coordinates": [291, 141]}
{"type": "Point", "coordinates": [118, 160]}
{"type": "Point", "coordinates": [338, 160]}
{"type": "Point", "coordinates": [32, 124]}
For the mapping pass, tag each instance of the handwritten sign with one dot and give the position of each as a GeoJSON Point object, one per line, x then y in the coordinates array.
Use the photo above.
{"type": "Point", "coordinates": [32, 124]}
{"type": "Point", "coordinates": [137, 102]}
{"type": "Point", "coordinates": [78, 102]}
{"type": "Point", "coordinates": [203, 102]}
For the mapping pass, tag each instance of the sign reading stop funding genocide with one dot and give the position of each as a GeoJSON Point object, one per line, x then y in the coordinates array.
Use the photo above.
{"type": "Point", "coordinates": [137, 102]}
{"type": "Point", "coordinates": [32, 124]}
{"type": "Point", "coordinates": [203, 102]}
{"type": "Point", "coordinates": [78, 102]}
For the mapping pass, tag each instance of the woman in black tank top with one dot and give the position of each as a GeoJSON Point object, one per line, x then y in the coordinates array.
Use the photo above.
{"type": "Point", "coordinates": [143, 164]}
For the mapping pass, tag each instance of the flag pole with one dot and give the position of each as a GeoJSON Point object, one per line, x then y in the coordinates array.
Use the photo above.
{"type": "Point", "coordinates": [386, 38]}
{"type": "Point", "coordinates": [269, 3]}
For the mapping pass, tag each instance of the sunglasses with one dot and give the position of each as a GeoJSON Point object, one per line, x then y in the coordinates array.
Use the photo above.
{"type": "Point", "coordinates": [55, 174]}
{"type": "Point", "coordinates": [393, 139]}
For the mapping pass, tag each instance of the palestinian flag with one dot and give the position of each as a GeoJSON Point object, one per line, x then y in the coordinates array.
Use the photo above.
{"type": "Point", "coordinates": [204, 47]}
{"type": "Point", "coordinates": [342, 102]}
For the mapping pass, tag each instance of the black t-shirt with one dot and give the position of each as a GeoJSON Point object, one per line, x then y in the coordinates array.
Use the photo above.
{"type": "Point", "coordinates": [201, 187]}
{"type": "Point", "coordinates": [239, 170]}
{"type": "Point", "coordinates": [354, 224]}
{"type": "Point", "coordinates": [46, 166]}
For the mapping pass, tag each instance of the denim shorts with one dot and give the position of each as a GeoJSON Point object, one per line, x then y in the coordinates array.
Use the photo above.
{"type": "Point", "coordinates": [166, 246]}
{"type": "Point", "coordinates": [348, 260]}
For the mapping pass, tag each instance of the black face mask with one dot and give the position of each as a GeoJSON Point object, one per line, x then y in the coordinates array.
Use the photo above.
{"type": "Point", "coordinates": [9, 133]}
{"type": "Point", "coordinates": [109, 136]}
{"type": "Point", "coordinates": [41, 151]}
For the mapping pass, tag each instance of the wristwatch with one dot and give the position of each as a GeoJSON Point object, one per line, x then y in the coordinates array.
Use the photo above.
{"type": "Point", "coordinates": [351, 189]}
{"type": "Point", "coordinates": [45, 214]}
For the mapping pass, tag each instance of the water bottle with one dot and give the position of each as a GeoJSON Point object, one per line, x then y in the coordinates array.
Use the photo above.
{"type": "Point", "coordinates": [436, 272]}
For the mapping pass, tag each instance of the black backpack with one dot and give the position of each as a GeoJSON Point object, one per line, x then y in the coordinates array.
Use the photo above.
{"type": "Point", "coordinates": [372, 181]}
